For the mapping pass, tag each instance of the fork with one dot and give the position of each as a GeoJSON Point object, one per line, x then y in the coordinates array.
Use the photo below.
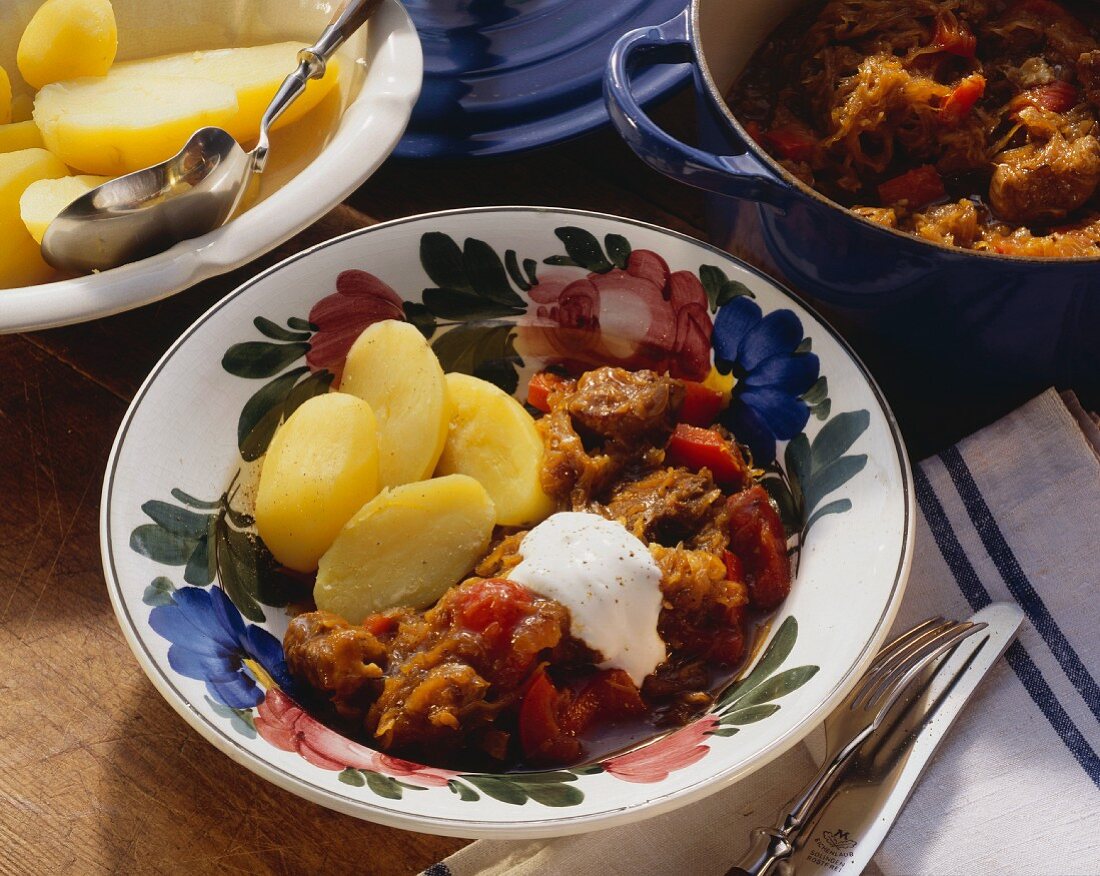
{"type": "Point", "coordinates": [849, 724]}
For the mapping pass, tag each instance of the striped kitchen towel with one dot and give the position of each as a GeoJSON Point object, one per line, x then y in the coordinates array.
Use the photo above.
{"type": "Point", "coordinates": [1011, 513]}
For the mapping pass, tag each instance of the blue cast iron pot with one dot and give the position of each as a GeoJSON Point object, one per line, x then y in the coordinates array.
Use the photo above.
{"type": "Point", "coordinates": [967, 333]}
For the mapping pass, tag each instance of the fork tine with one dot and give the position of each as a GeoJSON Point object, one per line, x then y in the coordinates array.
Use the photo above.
{"type": "Point", "coordinates": [898, 679]}
{"type": "Point", "coordinates": [894, 654]}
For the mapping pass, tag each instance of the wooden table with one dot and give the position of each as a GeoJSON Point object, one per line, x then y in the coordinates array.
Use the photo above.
{"type": "Point", "coordinates": [97, 773]}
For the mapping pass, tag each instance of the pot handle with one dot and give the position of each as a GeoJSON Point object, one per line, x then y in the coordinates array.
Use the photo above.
{"type": "Point", "coordinates": [739, 176]}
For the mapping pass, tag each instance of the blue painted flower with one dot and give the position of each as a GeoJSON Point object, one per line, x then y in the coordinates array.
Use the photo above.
{"type": "Point", "coordinates": [772, 374]}
{"type": "Point", "coordinates": [210, 642]}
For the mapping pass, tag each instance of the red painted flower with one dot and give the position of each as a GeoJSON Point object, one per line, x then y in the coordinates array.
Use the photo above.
{"type": "Point", "coordinates": [654, 762]}
{"type": "Point", "coordinates": [360, 300]}
{"type": "Point", "coordinates": [282, 722]}
{"type": "Point", "coordinates": [643, 317]}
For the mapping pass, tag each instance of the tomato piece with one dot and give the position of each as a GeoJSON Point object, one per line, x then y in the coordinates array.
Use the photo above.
{"type": "Point", "coordinates": [379, 624]}
{"type": "Point", "coordinates": [494, 606]}
{"type": "Point", "coordinates": [610, 696]}
{"type": "Point", "coordinates": [539, 388]}
{"type": "Point", "coordinates": [954, 37]}
{"type": "Point", "coordinates": [540, 732]}
{"type": "Point", "coordinates": [760, 543]}
{"type": "Point", "coordinates": [701, 404]}
{"type": "Point", "coordinates": [734, 570]}
{"type": "Point", "coordinates": [1056, 97]}
{"type": "Point", "coordinates": [962, 99]}
{"type": "Point", "coordinates": [695, 448]}
{"type": "Point", "coordinates": [917, 187]}
{"type": "Point", "coordinates": [792, 142]}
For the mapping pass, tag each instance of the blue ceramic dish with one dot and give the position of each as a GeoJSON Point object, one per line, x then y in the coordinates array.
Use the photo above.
{"type": "Point", "coordinates": [503, 76]}
{"type": "Point", "coordinates": [939, 325]}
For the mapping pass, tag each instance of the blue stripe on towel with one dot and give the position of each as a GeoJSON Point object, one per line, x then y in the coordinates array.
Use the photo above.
{"type": "Point", "coordinates": [1018, 658]}
{"type": "Point", "coordinates": [1018, 585]}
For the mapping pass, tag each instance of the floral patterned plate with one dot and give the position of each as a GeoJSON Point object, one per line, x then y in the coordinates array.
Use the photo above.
{"type": "Point", "coordinates": [499, 292]}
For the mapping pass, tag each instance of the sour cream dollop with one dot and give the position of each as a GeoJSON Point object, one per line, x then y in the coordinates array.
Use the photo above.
{"type": "Point", "coordinates": [608, 580]}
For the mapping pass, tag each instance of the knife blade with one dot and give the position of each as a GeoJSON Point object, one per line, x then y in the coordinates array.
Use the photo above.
{"type": "Point", "coordinates": [862, 806]}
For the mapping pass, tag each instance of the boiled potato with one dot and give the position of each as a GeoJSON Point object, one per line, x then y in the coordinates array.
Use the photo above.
{"type": "Point", "coordinates": [493, 439]}
{"type": "Point", "coordinates": [67, 39]}
{"type": "Point", "coordinates": [321, 467]}
{"type": "Point", "coordinates": [5, 97]}
{"type": "Point", "coordinates": [142, 112]}
{"type": "Point", "coordinates": [392, 367]}
{"type": "Point", "coordinates": [20, 135]}
{"type": "Point", "coordinates": [43, 200]}
{"type": "Point", "coordinates": [406, 547]}
{"type": "Point", "coordinates": [21, 262]}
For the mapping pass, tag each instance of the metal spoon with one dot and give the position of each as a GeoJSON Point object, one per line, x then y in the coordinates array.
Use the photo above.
{"type": "Point", "coordinates": [197, 190]}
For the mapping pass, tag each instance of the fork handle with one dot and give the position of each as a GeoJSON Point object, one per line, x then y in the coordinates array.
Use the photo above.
{"type": "Point", "coordinates": [768, 847]}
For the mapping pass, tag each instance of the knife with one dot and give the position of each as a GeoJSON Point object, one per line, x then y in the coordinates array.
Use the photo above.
{"type": "Point", "coordinates": [862, 806]}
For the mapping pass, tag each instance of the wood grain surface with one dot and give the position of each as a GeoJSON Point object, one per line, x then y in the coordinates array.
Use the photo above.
{"type": "Point", "coordinates": [97, 773]}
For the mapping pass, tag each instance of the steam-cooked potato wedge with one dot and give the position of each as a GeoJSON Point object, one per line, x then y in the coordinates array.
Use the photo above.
{"type": "Point", "coordinates": [493, 439]}
{"type": "Point", "coordinates": [20, 135]}
{"type": "Point", "coordinates": [392, 367]}
{"type": "Point", "coordinates": [5, 97]}
{"type": "Point", "coordinates": [66, 39]}
{"type": "Point", "coordinates": [21, 261]}
{"type": "Point", "coordinates": [321, 467]}
{"type": "Point", "coordinates": [406, 547]}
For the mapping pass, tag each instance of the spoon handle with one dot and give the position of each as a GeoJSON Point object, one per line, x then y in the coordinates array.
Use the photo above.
{"type": "Point", "coordinates": [349, 16]}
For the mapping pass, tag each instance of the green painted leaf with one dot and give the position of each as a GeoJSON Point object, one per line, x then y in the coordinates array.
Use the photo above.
{"type": "Point", "coordinates": [712, 277]}
{"type": "Point", "coordinates": [237, 570]}
{"type": "Point", "coordinates": [261, 414]}
{"type": "Point", "coordinates": [837, 436]}
{"type": "Point", "coordinates": [181, 496]}
{"type": "Point", "coordinates": [299, 324]}
{"type": "Point", "coordinates": [511, 264]}
{"type": "Point", "coordinates": [733, 289]}
{"type": "Point", "coordinates": [442, 260]}
{"type": "Point", "coordinates": [487, 274]}
{"type": "Point", "coordinates": [555, 795]}
{"type": "Point", "coordinates": [724, 731]}
{"type": "Point", "coordinates": [781, 494]}
{"type": "Point", "coordinates": [560, 261]}
{"type": "Point", "coordinates": [818, 392]}
{"type": "Point", "coordinates": [798, 461]}
{"type": "Point", "coordinates": [530, 268]}
{"type": "Point", "coordinates": [833, 476]}
{"type": "Point", "coordinates": [409, 787]}
{"type": "Point", "coordinates": [590, 770]}
{"type": "Point", "coordinates": [805, 346]}
{"type": "Point", "coordinates": [159, 592]}
{"type": "Point", "coordinates": [161, 546]}
{"type": "Point", "coordinates": [465, 792]}
{"type": "Point", "coordinates": [486, 351]}
{"type": "Point", "coordinates": [465, 306]}
{"type": "Point", "coordinates": [316, 384]}
{"type": "Point", "coordinates": [256, 359]}
{"type": "Point", "coordinates": [353, 777]}
{"type": "Point", "coordinates": [420, 317]}
{"type": "Point", "coordinates": [618, 250]}
{"type": "Point", "coordinates": [750, 714]}
{"type": "Point", "coordinates": [277, 332]}
{"type": "Point", "coordinates": [499, 788]}
{"type": "Point", "coordinates": [384, 786]}
{"type": "Point", "coordinates": [200, 565]}
{"type": "Point", "coordinates": [778, 650]}
{"type": "Point", "coordinates": [239, 719]}
{"type": "Point", "coordinates": [837, 507]}
{"type": "Point", "coordinates": [778, 685]}
{"type": "Point", "coordinates": [821, 411]}
{"type": "Point", "coordinates": [547, 778]}
{"type": "Point", "coordinates": [583, 248]}
{"type": "Point", "coordinates": [178, 521]}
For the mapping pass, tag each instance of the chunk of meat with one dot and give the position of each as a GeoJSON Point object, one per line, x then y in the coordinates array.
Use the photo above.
{"type": "Point", "coordinates": [760, 543]}
{"type": "Point", "coordinates": [1088, 75]}
{"type": "Point", "coordinates": [503, 556]}
{"type": "Point", "coordinates": [569, 471]}
{"type": "Point", "coordinates": [667, 506]}
{"type": "Point", "coordinates": [952, 224]}
{"type": "Point", "coordinates": [703, 610]}
{"type": "Point", "coordinates": [342, 662]}
{"type": "Point", "coordinates": [1043, 183]}
{"type": "Point", "coordinates": [635, 410]}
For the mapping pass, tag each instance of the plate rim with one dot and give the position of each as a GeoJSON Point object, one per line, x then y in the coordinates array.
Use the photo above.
{"type": "Point", "coordinates": [477, 828]}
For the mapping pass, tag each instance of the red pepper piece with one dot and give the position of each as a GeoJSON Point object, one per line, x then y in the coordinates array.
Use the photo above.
{"type": "Point", "coordinates": [379, 624]}
{"type": "Point", "coordinates": [734, 570]}
{"type": "Point", "coordinates": [1057, 97]}
{"type": "Point", "coordinates": [792, 142]}
{"type": "Point", "coordinates": [962, 99]}
{"type": "Point", "coordinates": [540, 732]}
{"type": "Point", "coordinates": [611, 695]}
{"type": "Point", "coordinates": [918, 187]}
{"type": "Point", "coordinates": [540, 387]}
{"type": "Point", "coordinates": [760, 543]}
{"type": "Point", "coordinates": [701, 404]}
{"type": "Point", "coordinates": [695, 448]}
